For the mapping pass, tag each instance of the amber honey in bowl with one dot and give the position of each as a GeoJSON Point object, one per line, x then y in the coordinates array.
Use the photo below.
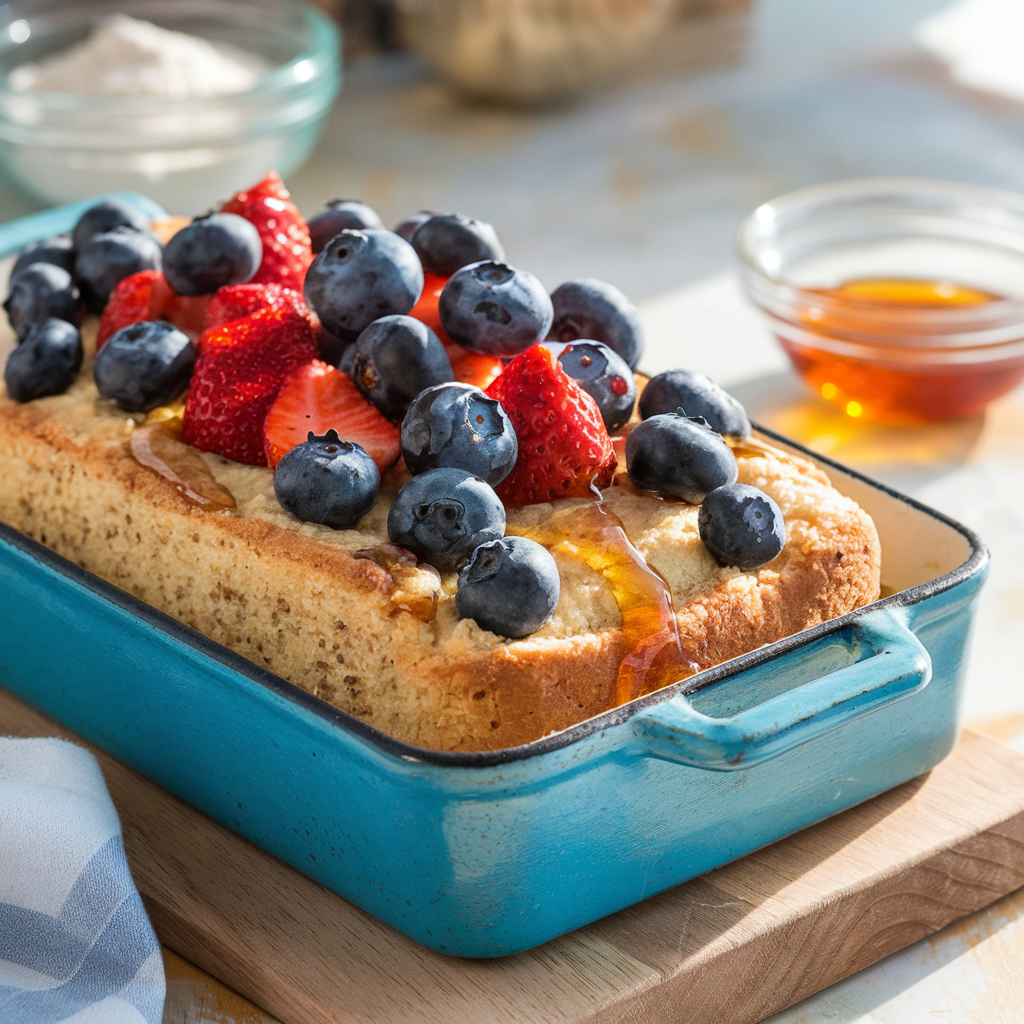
{"type": "Point", "coordinates": [897, 300]}
{"type": "Point", "coordinates": [839, 359]}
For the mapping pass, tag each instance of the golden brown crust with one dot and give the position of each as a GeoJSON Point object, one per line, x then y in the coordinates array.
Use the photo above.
{"type": "Point", "coordinates": [324, 619]}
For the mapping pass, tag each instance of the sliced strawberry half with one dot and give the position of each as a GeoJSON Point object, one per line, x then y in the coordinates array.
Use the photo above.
{"type": "Point", "coordinates": [237, 301]}
{"type": "Point", "coordinates": [319, 397]}
{"type": "Point", "coordinates": [147, 296]}
{"type": "Point", "coordinates": [287, 252]}
{"type": "Point", "coordinates": [564, 449]}
{"type": "Point", "coordinates": [473, 367]}
{"type": "Point", "coordinates": [237, 379]}
{"type": "Point", "coordinates": [426, 308]}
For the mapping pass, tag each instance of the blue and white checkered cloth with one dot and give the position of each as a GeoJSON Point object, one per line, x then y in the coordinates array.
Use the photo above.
{"type": "Point", "coordinates": [76, 946]}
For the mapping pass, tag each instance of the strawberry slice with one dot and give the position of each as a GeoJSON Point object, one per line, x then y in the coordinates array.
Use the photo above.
{"type": "Point", "coordinates": [237, 301]}
{"type": "Point", "coordinates": [473, 367]}
{"type": "Point", "coordinates": [426, 310]}
{"type": "Point", "coordinates": [237, 379]}
{"type": "Point", "coordinates": [564, 449]}
{"type": "Point", "coordinates": [286, 248]}
{"type": "Point", "coordinates": [320, 397]}
{"type": "Point", "coordinates": [147, 296]}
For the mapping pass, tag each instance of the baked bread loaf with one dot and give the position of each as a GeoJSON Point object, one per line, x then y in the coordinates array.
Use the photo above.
{"type": "Point", "coordinates": [340, 614]}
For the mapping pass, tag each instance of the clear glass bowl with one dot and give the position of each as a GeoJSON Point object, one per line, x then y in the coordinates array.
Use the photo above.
{"type": "Point", "coordinates": [185, 154]}
{"type": "Point", "coordinates": [903, 361]}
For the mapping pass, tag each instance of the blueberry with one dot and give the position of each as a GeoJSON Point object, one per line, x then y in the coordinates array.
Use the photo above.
{"type": "Point", "coordinates": [604, 375]}
{"type": "Point", "coordinates": [57, 250]}
{"type": "Point", "coordinates": [39, 292]}
{"type": "Point", "coordinates": [742, 526]}
{"type": "Point", "coordinates": [395, 358]}
{"type": "Point", "coordinates": [213, 251]}
{"type": "Point", "coordinates": [446, 242]}
{"type": "Point", "coordinates": [407, 228]}
{"type": "Point", "coordinates": [456, 425]}
{"type": "Point", "coordinates": [442, 515]}
{"type": "Point", "coordinates": [595, 310]}
{"type": "Point", "coordinates": [107, 259]}
{"type": "Point", "coordinates": [106, 216]}
{"type": "Point", "coordinates": [144, 365]}
{"type": "Point", "coordinates": [327, 480]}
{"type": "Point", "coordinates": [46, 362]}
{"type": "Point", "coordinates": [678, 455]}
{"type": "Point", "coordinates": [510, 587]}
{"type": "Point", "coordinates": [696, 395]}
{"type": "Point", "coordinates": [361, 276]}
{"type": "Point", "coordinates": [495, 309]}
{"type": "Point", "coordinates": [340, 215]}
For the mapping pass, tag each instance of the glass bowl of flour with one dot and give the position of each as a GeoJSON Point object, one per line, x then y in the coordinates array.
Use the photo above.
{"type": "Point", "coordinates": [185, 101]}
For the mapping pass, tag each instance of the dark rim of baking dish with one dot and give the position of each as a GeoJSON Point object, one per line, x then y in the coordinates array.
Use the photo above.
{"type": "Point", "coordinates": [555, 741]}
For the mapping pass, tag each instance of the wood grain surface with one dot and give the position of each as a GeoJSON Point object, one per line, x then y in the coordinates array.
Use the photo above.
{"type": "Point", "coordinates": [733, 946]}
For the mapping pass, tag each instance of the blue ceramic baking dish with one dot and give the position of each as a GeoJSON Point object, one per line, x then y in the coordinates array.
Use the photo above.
{"type": "Point", "coordinates": [487, 854]}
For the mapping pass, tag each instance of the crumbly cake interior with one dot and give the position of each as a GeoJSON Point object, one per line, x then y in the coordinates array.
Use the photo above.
{"type": "Point", "coordinates": [290, 596]}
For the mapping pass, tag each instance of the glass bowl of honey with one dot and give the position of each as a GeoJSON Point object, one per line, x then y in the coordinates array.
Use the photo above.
{"type": "Point", "coordinates": [899, 300]}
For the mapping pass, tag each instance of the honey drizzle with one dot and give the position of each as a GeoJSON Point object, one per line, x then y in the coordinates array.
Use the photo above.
{"type": "Point", "coordinates": [402, 567]}
{"type": "Point", "coordinates": [158, 446]}
{"type": "Point", "coordinates": [594, 534]}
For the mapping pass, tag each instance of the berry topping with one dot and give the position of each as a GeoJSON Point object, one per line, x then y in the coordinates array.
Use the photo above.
{"type": "Point", "coordinates": [457, 425]}
{"type": "Point", "coordinates": [340, 215]}
{"type": "Point", "coordinates": [327, 480]}
{"type": "Point", "coordinates": [407, 228]}
{"type": "Point", "coordinates": [360, 277]}
{"type": "Point", "coordinates": [108, 258]}
{"type": "Point", "coordinates": [446, 242]}
{"type": "Point", "coordinates": [495, 309]}
{"type": "Point", "coordinates": [39, 292]}
{"type": "Point", "coordinates": [604, 375]}
{"type": "Point", "coordinates": [395, 358]}
{"type": "Point", "coordinates": [678, 455]}
{"type": "Point", "coordinates": [473, 367]}
{"type": "Point", "coordinates": [320, 397]}
{"type": "Point", "coordinates": [57, 250]}
{"type": "Point", "coordinates": [564, 449]}
{"type": "Point", "coordinates": [593, 310]}
{"type": "Point", "coordinates": [741, 526]}
{"type": "Point", "coordinates": [237, 379]}
{"type": "Point", "coordinates": [45, 363]}
{"type": "Point", "coordinates": [213, 251]}
{"type": "Point", "coordinates": [106, 216]}
{"type": "Point", "coordinates": [696, 395]}
{"type": "Point", "coordinates": [237, 301]}
{"type": "Point", "coordinates": [145, 365]}
{"type": "Point", "coordinates": [285, 236]}
{"type": "Point", "coordinates": [510, 587]}
{"type": "Point", "coordinates": [442, 515]}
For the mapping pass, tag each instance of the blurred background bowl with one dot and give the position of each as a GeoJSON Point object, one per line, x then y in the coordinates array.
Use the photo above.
{"type": "Point", "coordinates": [185, 154]}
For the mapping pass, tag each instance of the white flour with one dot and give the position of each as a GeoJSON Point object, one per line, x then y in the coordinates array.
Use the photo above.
{"type": "Point", "coordinates": [127, 57]}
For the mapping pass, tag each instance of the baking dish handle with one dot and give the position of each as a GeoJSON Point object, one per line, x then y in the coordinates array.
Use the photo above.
{"type": "Point", "coordinates": [897, 666]}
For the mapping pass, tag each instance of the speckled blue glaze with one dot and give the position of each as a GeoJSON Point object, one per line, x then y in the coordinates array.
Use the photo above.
{"type": "Point", "coordinates": [487, 854]}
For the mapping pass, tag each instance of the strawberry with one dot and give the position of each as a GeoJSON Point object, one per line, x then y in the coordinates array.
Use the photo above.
{"type": "Point", "coordinates": [286, 249]}
{"type": "Point", "coordinates": [564, 449]}
{"type": "Point", "coordinates": [320, 397]}
{"type": "Point", "coordinates": [470, 367]}
{"type": "Point", "coordinates": [237, 301]}
{"type": "Point", "coordinates": [147, 296]}
{"type": "Point", "coordinates": [473, 367]}
{"type": "Point", "coordinates": [237, 379]}
{"type": "Point", "coordinates": [426, 310]}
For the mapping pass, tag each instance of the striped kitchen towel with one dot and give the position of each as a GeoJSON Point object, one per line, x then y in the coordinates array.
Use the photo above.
{"type": "Point", "coordinates": [76, 946]}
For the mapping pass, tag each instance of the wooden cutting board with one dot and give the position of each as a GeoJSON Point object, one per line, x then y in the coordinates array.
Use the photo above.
{"type": "Point", "coordinates": [728, 948]}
